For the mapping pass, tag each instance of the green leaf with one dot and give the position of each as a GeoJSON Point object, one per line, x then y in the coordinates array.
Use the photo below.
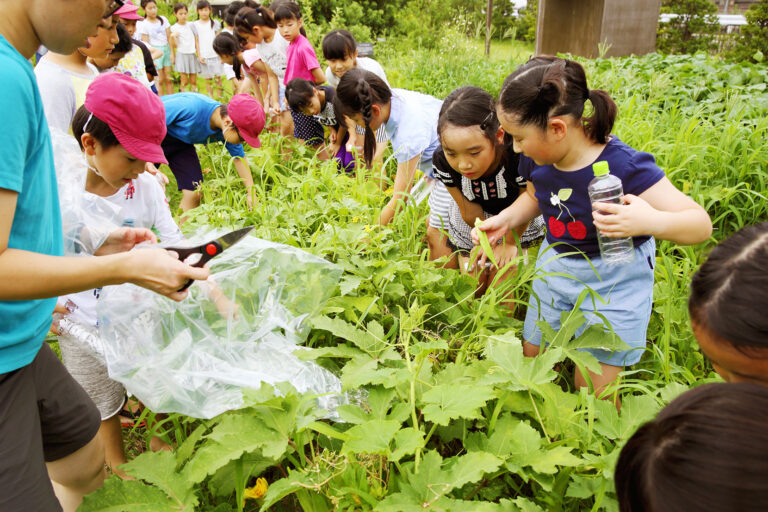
{"type": "Point", "coordinates": [235, 435]}
{"type": "Point", "coordinates": [446, 402]}
{"type": "Point", "coordinates": [349, 283]}
{"type": "Point", "coordinates": [118, 495]}
{"type": "Point", "coordinates": [327, 430]}
{"type": "Point", "coordinates": [564, 194]}
{"type": "Point", "coordinates": [371, 437]}
{"type": "Point", "coordinates": [364, 370]}
{"type": "Point", "coordinates": [371, 341]}
{"type": "Point", "coordinates": [758, 56]}
{"type": "Point", "coordinates": [526, 450]}
{"type": "Point", "coordinates": [522, 372]}
{"type": "Point", "coordinates": [407, 441]}
{"type": "Point", "coordinates": [635, 410]}
{"type": "Point", "coordinates": [187, 448]}
{"type": "Point", "coordinates": [159, 469]}
{"type": "Point", "coordinates": [484, 242]}
{"type": "Point", "coordinates": [295, 482]}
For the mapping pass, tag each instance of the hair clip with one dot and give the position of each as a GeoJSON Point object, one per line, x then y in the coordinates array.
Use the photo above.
{"type": "Point", "coordinates": [488, 118]}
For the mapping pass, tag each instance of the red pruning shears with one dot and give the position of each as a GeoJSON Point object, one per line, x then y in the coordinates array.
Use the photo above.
{"type": "Point", "coordinates": [209, 249]}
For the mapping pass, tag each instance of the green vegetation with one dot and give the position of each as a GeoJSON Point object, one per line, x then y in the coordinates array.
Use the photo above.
{"type": "Point", "coordinates": [456, 418]}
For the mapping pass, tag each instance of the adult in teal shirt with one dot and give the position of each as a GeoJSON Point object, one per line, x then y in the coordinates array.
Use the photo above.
{"type": "Point", "coordinates": [47, 425]}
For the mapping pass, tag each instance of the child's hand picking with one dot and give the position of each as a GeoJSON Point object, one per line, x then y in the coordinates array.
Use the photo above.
{"type": "Point", "coordinates": [635, 217]}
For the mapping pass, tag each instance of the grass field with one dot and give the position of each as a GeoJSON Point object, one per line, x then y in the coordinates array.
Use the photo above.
{"type": "Point", "coordinates": [456, 419]}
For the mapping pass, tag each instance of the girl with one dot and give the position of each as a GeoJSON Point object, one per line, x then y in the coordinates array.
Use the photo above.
{"type": "Point", "coordinates": [117, 175]}
{"type": "Point", "coordinates": [541, 106]}
{"type": "Point", "coordinates": [228, 49]}
{"type": "Point", "coordinates": [410, 119]}
{"type": "Point", "coordinates": [478, 166]}
{"type": "Point", "coordinates": [207, 29]}
{"type": "Point", "coordinates": [317, 101]}
{"type": "Point", "coordinates": [340, 50]}
{"type": "Point", "coordinates": [184, 49]}
{"type": "Point", "coordinates": [156, 31]}
{"type": "Point", "coordinates": [63, 79]}
{"type": "Point", "coordinates": [229, 27]}
{"type": "Point", "coordinates": [729, 296]}
{"type": "Point", "coordinates": [301, 62]}
{"type": "Point", "coordinates": [705, 451]}
{"type": "Point", "coordinates": [131, 63]}
{"type": "Point", "coordinates": [256, 25]}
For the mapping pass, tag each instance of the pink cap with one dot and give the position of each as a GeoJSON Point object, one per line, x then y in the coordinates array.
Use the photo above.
{"type": "Point", "coordinates": [129, 11]}
{"type": "Point", "coordinates": [248, 116]}
{"type": "Point", "coordinates": [133, 112]}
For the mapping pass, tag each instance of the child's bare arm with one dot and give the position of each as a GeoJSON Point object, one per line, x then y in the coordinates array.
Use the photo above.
{"type": "Point", "coordinates": [661, 211]}
{"type": "Point", "coordinates": [403, 182]}
{"type": "Point", "coordinates": [469, 210]}
{"type": "Point", "coordinates": [318, 76]}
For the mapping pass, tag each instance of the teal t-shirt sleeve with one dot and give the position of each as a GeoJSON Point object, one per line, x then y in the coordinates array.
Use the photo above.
{"type": "Point", "coordinates": [16, 103]}
{"type": "Point", "coordinates": [235, 150]}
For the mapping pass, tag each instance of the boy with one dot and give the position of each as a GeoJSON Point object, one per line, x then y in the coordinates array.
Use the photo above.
{"type": "Point", "coordinates": [47, 423]}
{"type": "Point", "coordinates": [194, 118]}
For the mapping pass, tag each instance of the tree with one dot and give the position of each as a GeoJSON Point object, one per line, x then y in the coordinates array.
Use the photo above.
{"type": "Point", "coordinates": [752, 42]}
{"type": "Point", "coordinates": [488, 23]}
{"type": "Point", "coordinates": [692, 29]}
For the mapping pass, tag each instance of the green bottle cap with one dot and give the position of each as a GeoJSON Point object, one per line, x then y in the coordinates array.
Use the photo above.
{"type": "Point", "coordinates": [600, 168]}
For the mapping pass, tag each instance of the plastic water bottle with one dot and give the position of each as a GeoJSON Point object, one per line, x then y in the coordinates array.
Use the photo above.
{"type": "Point", "coordinates": [606, 188]}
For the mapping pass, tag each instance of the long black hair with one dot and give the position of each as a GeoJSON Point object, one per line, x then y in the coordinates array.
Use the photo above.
{"type": "Point", "coordinates": [356, 93]}
{"type": "Point", "coordinates": [469, 106]}
{"type": "Point", "coordinates": [299, 93]}
{"type": "Point", "coordinates": [729, 292]}
{"type": "Point", "coordinates": [549, 86]}
{"type": "Point", "coordinates": [144, 6]}
{"type": "Point", "coordinates": [227, 44]}
{"type": "Point", "coordinates": [231, 11]}
{"type": "Point", "coordinates": [124, 41]}
{"type": "Point", "coordinates": [705, 452]}
{"type": "Point", "coordinates": [205, 4]}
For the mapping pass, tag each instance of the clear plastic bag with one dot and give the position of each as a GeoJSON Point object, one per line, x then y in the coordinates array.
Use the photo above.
{"type": "Point", "coordinates": [87, 219]}
{"type": "Point", "coordinates": [195, 357]}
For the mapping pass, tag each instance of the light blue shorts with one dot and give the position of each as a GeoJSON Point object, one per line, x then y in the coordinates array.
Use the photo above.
{"type": "Point", "coordinates": [626, 289]}
{"type": "Point", "coordinates": [165, 60]}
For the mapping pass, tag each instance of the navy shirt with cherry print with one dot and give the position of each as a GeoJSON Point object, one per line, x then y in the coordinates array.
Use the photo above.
{"type": "Point", "coordinates": [564, 200]}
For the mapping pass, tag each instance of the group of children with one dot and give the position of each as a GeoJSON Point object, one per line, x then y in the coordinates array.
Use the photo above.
{"type": "Point", "coordinates": [517, 163]}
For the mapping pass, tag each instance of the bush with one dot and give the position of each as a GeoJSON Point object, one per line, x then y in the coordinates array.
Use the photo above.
{"type": "Point", "coordinates": [752, 42]}
{"type": "Point", "coordinates": [694, 28]}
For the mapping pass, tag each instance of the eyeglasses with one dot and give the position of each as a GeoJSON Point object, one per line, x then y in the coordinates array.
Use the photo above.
{"type": "Point", "coordinates": [112, 7]}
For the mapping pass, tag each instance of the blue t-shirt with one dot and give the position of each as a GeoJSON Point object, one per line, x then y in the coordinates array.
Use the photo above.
{"type": "Point", "coordinates": [564, 199]}
{"type": "Point", "coordinates": [188, 118]}
{"type": "Point", "coordinates": [26, 167]}
{"type": "Point", "coordinates": [412, 127]}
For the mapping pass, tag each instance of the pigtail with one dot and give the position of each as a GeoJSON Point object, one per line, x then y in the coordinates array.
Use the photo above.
{"type": "Point", "coordinates": [227, 44]}
{"type": "Point", "coordinates": [369, 145]}
{"type": "Point", "coordinates": [599, 125]}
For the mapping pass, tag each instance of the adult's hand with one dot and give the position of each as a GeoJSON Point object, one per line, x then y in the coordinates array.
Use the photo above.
{"type": "Point", "coordinates": [161, 271]}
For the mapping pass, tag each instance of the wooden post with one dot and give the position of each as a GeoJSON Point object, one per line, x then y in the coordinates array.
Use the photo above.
{"type": "Point", "coordinates": [488, 20]}
{"type": "Point", "coordinates": [625, 27]}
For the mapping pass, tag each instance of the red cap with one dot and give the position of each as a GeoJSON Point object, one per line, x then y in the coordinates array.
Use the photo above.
{"type": "Point", "coordinates": [248, 116]}
{"type": "Point", "coordinates": [129, 11]}
{"type": "Point", "coordinates": [133, 112]}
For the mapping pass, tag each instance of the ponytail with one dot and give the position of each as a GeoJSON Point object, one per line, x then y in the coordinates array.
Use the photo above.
{"type": "Point", "coordinates": [226, 44]}
{"type": "Point", "coordinates": [547, 86]}
{"type": "Point", "coordinates": [249, 17]}
{"type": "Point", "coordinates": [357, 92]}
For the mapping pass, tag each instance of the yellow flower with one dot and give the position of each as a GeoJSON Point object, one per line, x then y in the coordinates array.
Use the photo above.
{"type": "Point", "coordinates": [368, 228]}
{"type": "Point", "coordinates": [355, 219]}
{"type": "Point", "coordinates": [258, 490]}
{"type": "Point", "coordinates": [389, 191]}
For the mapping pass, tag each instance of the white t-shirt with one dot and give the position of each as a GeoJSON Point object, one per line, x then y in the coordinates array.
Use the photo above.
{"type": "Point", "coordinates": [365, 63]}
{"type": "Point", "coordinates": [62, 92]}
{"type": "Point", "coordinates": [143, 205]}
{"type": "Point", "coordinates": [229, 71]}
{"type": "Point", "coordinates": [155, 31]}
{"type": "Point", "coordinates": [205, 35]}
{"type": "Point", "coordinates": [185, 40]}
{"type": "Point", "coordinates": [275, 53]}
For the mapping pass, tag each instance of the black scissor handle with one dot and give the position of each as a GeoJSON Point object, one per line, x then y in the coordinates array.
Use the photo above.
{"type": "Point", "coordinates": [206, 251]}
